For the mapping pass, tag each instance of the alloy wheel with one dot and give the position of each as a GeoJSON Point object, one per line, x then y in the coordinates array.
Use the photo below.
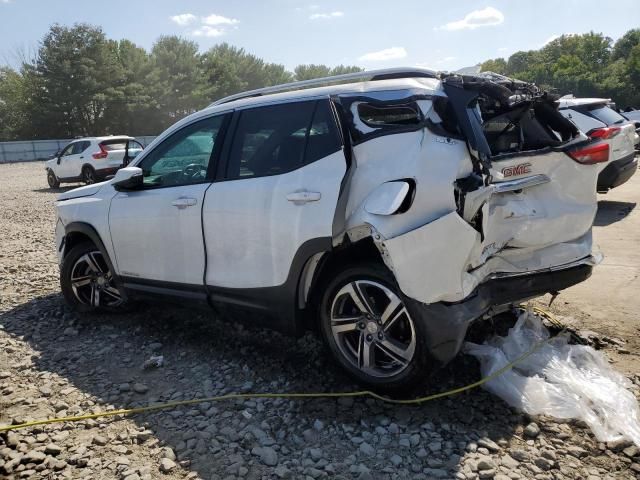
{"type": "Point", "coordinates": [92, 281]}
{"type": "Point", "coordinates": [89, 176]}
{"type": "Point", "coordinates": [372, 328]}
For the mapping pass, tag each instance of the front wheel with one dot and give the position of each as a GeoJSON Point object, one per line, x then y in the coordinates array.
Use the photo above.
{"type": "Point", "coordinates": [371, 331]}
{"type": "Point", "coordinates": [87, 282]}
{"type": "Point", "coordinates": [52, 180]}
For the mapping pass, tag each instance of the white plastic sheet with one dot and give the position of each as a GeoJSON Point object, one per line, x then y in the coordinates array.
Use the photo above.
{"type": "Point", "coordinates": [560, 380]}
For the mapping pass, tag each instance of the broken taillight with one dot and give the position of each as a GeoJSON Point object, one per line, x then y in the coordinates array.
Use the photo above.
{"type": "Point", "coordinates": [604, 133]}
{"type": "Point", "coordinates": [593, 153]}
{"type": "Point", "coordinates": [101, 154]}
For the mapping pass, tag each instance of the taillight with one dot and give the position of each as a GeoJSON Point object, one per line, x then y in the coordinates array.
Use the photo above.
{"type": "Point", "coordinates": [101, 154]}
{"type": "Point", "coordinates": [604, 133]}
{"type": "Point", "coordinates": [593, 153]}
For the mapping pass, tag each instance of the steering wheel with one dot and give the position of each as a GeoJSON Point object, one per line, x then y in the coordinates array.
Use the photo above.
{"type": "Point", "coordinates": [192, 170]}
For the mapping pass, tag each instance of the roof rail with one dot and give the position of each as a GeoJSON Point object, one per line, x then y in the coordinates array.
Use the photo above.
{"type": "Point", "coordinates": [371, 75]}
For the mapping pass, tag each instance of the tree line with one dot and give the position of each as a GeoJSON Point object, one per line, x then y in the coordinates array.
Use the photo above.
{"type": "Point", "coordinates": [587, 65]}
{"type": "Point", "coordinates": [81, 83]}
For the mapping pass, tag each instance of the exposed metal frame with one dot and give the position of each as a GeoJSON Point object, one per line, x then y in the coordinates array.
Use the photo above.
{"type": "Point", "coordinates": [370, 75]}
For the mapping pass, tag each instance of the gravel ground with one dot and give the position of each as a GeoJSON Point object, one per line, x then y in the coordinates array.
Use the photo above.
{"type": "Point", "coordinates": [54, 362]}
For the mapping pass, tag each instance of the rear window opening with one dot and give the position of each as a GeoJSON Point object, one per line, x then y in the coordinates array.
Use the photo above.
{"type": "Point", "coordinates": [528, 125]}
{"type": "Point", "coordinates": [392, 115]}
{"type": "Point", "coordinates": [111, 145]}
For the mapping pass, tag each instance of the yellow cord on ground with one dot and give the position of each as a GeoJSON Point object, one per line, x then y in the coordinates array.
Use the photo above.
{"type": "Point", "coordinates": [242, 396]}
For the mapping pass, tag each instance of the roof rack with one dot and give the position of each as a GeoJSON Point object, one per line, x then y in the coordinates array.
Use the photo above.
{"type": "Point", "coordinates": [371, 75]}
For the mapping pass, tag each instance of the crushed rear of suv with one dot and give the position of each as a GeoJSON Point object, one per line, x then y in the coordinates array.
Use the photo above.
{"type": "Point", "coordinates": [392, 207]}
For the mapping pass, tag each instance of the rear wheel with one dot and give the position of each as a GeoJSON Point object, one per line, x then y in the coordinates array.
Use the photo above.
{"type": "Point", "coordinates": [88, 175]}
{"type": "Point", "coordinates": [87, 282]}
{"type": "Point", "coordinates": [370, 329]}
{"type": "Point", "coordinates": [52, 180]}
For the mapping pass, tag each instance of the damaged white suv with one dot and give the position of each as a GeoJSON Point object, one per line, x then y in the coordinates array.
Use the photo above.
{"type": "Point", "coordinates": [388, 209]}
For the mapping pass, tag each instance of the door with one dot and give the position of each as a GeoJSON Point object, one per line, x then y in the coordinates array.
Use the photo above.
{"type": "Point", "coordinates": [69, 160]}
{"type": "Point", "coordinates": [157, 230]}
{"type": "Point", "coordinates": [279, 190]}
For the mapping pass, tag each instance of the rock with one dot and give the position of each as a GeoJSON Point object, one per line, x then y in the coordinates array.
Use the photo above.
{"type": "Point", "coordinates": [520, 455]}
{"type": "Point", "coordinates": [576, 451]}
{"type": "Point", "coordinates": [483, 474]}
{"type": "Point", "coordinates": [488, 444]}
{"type": "Point", "coordinates": [367, 449]}
{"type": "Point", "coordinates": [140, 388]}
{"type": "Point", "coordinates": [543, 463]}
{"type": "Point", "coordinates": [52, 449]}
{"type": "Point", "coordinates": [532, 430]}
{"type": "Point", "coordinates": [167, 465]}
{"type": "Point", "coordinates": [99, 440]}
{"type": "Point", "coordinates": [167, 452]}
{"type": "Point", "coordinates": [631, 451]}
{"type": "Point", "coordinates": [318, 425]}
{"type": "Point", "coordinates": [316, 454]}
{"type": "Point", "coordinates": [283, 472]}
{"type": "Point", "coordinates": [396, 460]}
{"type": "Point", "coordinates": [124, 387]}
{"type": "Point", "coordinates": [267, 455]}
{"type": "Point", "coordinates": [509, 462]}
{"type": "Point", "coordinates": [34, 456]}
{"type": "Point", "coordinates": [486, 463]}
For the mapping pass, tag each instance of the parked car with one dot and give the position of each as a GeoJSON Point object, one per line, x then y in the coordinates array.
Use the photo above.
{"type": "Point", "coordinates": [389, 211]}
{"type": "Point", "coordinates": [598, 120]}
{"type": "Point", "coordinates": [91, 159]}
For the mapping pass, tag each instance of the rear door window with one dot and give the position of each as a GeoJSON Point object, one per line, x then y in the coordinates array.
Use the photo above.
{"type": "Point", "coordinates": [111, 145]}
{"type": "Point", "coordinates": [273, 139]}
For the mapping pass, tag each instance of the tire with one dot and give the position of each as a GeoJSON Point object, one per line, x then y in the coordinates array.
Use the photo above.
{"type": "Point", "coordinates": [88, 175]}
{"type": "Point", "coordinates": [87, 283]}
{"type": "Point", "coordinates": [52, 180]}
{"type": "Point", "coordinates": [389, 331]}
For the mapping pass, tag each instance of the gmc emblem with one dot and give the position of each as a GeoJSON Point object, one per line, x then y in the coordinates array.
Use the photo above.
{"type": "Point", "coordinates": [516, 170]}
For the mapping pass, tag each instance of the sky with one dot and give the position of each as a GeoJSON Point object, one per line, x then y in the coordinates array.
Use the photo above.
{"type": "Point", "coordinates": [443, 35]}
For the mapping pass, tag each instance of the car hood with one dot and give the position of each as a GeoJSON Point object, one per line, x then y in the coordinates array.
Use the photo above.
{"type": "Point", "coordinates": [85, 191]}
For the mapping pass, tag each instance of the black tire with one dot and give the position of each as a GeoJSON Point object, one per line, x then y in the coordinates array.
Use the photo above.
{"type": "Point", "coordinates": [416, 370]}
{"type": "Point", "coordinates": [52, 180]}
{"type": "Point", "coordinates": [88, 175]}
{"type": "Point", "coordinates": [86, 288]}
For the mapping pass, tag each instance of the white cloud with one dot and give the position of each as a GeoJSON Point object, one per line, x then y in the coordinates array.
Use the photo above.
{"type": "Point", "coordinates": [207, 31]}
{"type": "Point", "coordinates": [326, 16]}
{"type": "Point", "coordinates": [392, 53]}
{"type": "Point", "coordinates": [214, 20]}
{"type": "Point", "coordinates": [487, 17]}
{"type": "Point", "coordinates": [183, 19]}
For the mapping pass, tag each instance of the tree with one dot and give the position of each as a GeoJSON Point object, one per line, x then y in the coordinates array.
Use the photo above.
{"type": "Point", "coordinates": [497, 65]}
{"type": "Point", "coordinates": [622, 48]}
{"type": "Point", "coordinates": [12, 114]}
{"type": "Point", "coordinates": [311, 71]}
{"type": "Point", "coordinates": [228, 70]}
{"type": "Point", "coordinates": [69, 85]}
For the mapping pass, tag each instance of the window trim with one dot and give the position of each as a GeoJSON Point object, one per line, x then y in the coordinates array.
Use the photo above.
{"type": "Point", "coordinates": [213, 158]}
{"type": "Point", "coordinates": [222, 170]}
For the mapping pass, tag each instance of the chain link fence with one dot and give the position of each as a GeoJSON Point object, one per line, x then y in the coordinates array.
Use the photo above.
{"type": "Point", "coordinates": [31, 150]}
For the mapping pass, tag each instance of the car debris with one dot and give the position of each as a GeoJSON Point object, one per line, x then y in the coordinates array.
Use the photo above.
{"type": "Point", "coordinates": [559, 379]}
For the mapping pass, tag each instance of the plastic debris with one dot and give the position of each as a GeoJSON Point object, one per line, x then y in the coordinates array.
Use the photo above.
{"type": "Point", "coordinates": [560, 380]}
{"type": "Point", "coordinates": [153, 362]}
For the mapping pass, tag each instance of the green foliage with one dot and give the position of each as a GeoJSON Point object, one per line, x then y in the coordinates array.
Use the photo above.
{"type": "Point", "coordinates": [587, 65]}
{"type": "Point", "coordinates": [82, 83]}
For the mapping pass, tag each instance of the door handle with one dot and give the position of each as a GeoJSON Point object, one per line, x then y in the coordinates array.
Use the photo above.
{"type": "Point", "coordinates": [184, 202]}
{"type": "Point", "coordinates": [304, 196]}
{"type": "Point", "coordinates": [81, 158]}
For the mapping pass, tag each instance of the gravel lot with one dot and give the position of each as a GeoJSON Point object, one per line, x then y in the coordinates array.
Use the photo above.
{"type": "Point", "coordinates": [55, 363]}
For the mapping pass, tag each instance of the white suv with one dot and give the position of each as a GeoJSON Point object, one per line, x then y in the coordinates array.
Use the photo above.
{"type": "Point", "coordinates": [594, 117]}
{"type": "Point", "coordinates": [91, 159]}
{"type": "Point", "coordinates": [389, 211]}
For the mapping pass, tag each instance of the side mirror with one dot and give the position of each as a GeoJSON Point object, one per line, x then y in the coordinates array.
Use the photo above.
{"type": "Point", "coordinates": [58, 162]}
{"type": "Point", "coordinates": [127, 178]}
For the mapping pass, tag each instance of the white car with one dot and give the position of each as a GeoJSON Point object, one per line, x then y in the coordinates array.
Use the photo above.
{"type": "Point", "coordinates": [91, 159]}
{"type": "Point", "coordinates": [594, 117]}
{"type": "Point", "coordinates": [389, 211]}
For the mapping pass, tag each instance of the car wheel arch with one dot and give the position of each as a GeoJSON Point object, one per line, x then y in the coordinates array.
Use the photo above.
{"type": "Point", "coordinates": [78, 232]}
